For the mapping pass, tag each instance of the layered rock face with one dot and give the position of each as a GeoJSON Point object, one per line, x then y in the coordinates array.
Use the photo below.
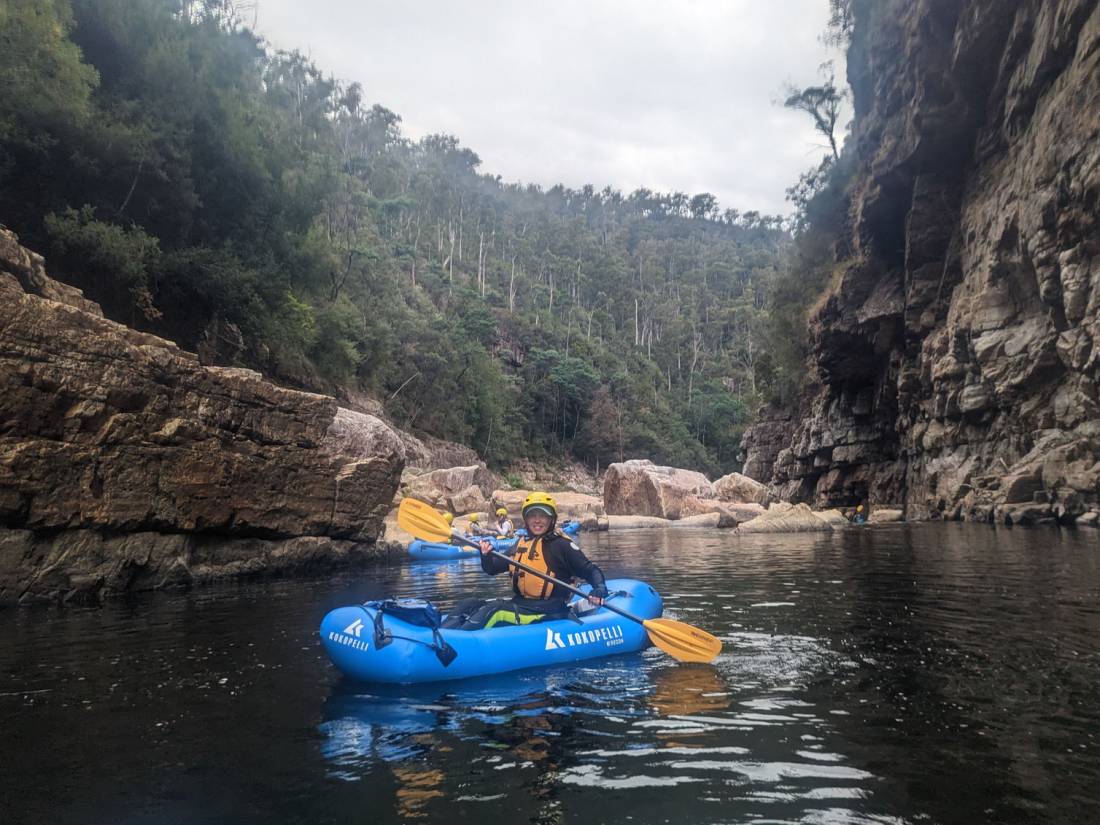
{"type": "Point", "coordinates": [956, 360]}
{"type": "Point", "coordinates": [125, 463]}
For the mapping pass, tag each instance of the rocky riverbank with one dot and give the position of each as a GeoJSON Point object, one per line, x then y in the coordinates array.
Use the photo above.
{"type": "Point", "coordinates": [636, 494]}
{"type": "Point", "coordinates": [126, 464]}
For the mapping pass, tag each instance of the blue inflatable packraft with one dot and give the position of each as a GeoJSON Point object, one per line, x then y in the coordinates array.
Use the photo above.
{"type": "Point", "coordinates": [400, 642]}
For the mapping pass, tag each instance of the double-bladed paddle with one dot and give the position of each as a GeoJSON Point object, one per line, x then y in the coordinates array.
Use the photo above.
{"type": "Point", "coordinates": [677, 639]}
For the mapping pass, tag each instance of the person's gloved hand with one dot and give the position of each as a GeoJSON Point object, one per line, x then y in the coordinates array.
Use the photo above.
{"type": "Point", "coordinates": [597, 595]}
{"type": "Point", "coordinates": [485, 546]}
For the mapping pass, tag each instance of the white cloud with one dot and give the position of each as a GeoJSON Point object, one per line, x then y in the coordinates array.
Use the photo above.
{"type": "Point", "coordinates": [670, 95]}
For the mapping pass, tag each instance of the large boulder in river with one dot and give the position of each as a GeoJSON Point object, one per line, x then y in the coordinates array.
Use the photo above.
{"type": "Point", "coordinates": [112, 430]}
{"type": "Point", "coordinates": [789, 518]}
{"type": "Point", "coordinates": [740, 489]}
{"type": "Point", "coordinates": [642, 488]}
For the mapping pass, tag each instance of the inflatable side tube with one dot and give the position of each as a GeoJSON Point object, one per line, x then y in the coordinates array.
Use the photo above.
{"type": "Point", "coordinates": [348, 635]}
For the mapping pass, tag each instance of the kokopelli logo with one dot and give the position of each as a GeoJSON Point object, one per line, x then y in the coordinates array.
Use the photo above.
{"type": "Point", "coordinates": [355, 628]}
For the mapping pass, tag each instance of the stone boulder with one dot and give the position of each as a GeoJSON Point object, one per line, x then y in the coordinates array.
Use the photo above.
{"type": "Point", "coordinates": [715, 520]}
{"type": "Point", "coordinates": [885, 515]}
{"type": "Point", "coordinates": [642, 488]}
{"type": "Point", "coordinates": [795, 518]}
{"type": "Point", "coordinates": [728, 516]}
{"type": "Point", "coordinates": [457, 489]}
{"type": "Point", "coordinates": [834, 517]}
{"type": "Point", "coordinates": [116, 431]}
{"type": "Point", "coordinates": [635, 522]}
{"type": "Point", "coordinates": [695, 506]}
{"type": "Point", "coordinates": [740, 489]}
{"type": "Point", "coordinates": [1025, 513]}
{"type": "Point", "coordinates": [470, 500]}
{"type": "Point", "coordinates": [745, 512]}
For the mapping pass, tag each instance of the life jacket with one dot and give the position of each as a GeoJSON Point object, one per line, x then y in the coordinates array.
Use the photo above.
{"type": "Point", "coordinates": [529, 551]}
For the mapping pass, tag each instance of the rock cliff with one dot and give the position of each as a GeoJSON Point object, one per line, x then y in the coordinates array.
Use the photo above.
{"type": "Point", "coordinates": [955, 360]}
{"type": "Point", "coordinates": [125, 464]}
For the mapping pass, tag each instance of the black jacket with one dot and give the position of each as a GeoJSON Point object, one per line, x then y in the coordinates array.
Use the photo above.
{"type": "Point", "coordinates": [562, 556]}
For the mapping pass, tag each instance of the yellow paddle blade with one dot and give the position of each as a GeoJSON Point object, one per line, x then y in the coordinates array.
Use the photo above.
{"type": "Point", "coordinates": [423, 521]}
{"type": "Point", "coordinates": [682, 641]}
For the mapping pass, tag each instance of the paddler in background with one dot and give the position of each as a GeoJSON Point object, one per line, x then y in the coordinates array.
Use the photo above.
{"type": "Point", "coordinates": [504, 524]}
{"type": "Point", "coordinates": [532, 599]}
{"type": "Point", "coordinates": [474, 528]}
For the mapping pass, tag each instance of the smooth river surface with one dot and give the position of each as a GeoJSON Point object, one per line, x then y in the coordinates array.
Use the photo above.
{"type": "Point", "coordinates": [891, 674]}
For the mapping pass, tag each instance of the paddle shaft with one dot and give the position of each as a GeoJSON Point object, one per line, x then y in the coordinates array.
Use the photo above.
{"type": "Point", "coordinates": [555, 582]}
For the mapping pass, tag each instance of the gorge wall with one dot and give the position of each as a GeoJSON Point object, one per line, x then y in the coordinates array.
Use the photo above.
{"type": "Point", "coordinates": [955, 358]}
{"type": "Point", "coordinates": [125, 464]}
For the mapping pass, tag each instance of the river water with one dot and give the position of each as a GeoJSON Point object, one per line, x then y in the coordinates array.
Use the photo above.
{"type": "Point", "coordinates": [940, 673]}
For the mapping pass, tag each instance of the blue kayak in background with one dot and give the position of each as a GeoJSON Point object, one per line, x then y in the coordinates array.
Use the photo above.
{"type": "Point", "coordinates": [430, 551]}
{"type": "Point", "coordinates": [374, 647]}
{"type": "Point", "coordinates": [433, 551]}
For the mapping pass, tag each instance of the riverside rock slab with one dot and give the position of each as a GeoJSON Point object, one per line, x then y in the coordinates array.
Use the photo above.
{"type": "Point", "coordinates": [797, 518]}
{"type": "Point", "coordinates": [885, 515]}
{"type": "Point", "coordinates": [116, 431]}
{"type": "Point", "coordinates": [635, 522]}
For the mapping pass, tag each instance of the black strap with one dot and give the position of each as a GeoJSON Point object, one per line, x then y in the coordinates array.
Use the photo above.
{"type": "Point", "coordinates": [382, 637]}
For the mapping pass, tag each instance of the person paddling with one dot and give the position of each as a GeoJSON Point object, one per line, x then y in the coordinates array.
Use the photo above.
{"type": "Point", "coordinates": [533, 599]}
{"type": "Point", "coordinates": [474, 528]}
{"type": "Point", "coordinates": [504, 524]}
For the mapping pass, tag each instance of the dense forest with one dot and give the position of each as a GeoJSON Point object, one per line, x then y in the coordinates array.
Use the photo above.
{"type": "Point", "coordinates": [242, 202]}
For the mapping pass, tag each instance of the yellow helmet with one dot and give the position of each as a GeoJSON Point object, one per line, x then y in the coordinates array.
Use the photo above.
{"type": "Point", "coordinates": [859, 509]}
{"type": "Point", "coordinates": [501, 511]}
{"type": "Point", "coordinates": [543, 501]}
{"type": "Point", "coordinates": [448, 517]}
{"type": "Point", "coordinates": [473, 518]}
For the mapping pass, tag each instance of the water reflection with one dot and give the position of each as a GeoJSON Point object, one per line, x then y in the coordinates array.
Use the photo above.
{"type": "Point", "coordinates": [688, 688]}
{"type": "Point", "coordinates": [415, 789]}
{"type": "Point", "coordinates": [937, 674]}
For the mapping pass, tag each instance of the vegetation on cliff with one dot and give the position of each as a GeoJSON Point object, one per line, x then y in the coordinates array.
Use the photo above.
{"type": "Point", "coordinates": [240, 201]}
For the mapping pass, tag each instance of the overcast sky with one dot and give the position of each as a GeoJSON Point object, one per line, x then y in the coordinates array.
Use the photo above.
{"type": "Point", "coordinates": [672, 95]}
